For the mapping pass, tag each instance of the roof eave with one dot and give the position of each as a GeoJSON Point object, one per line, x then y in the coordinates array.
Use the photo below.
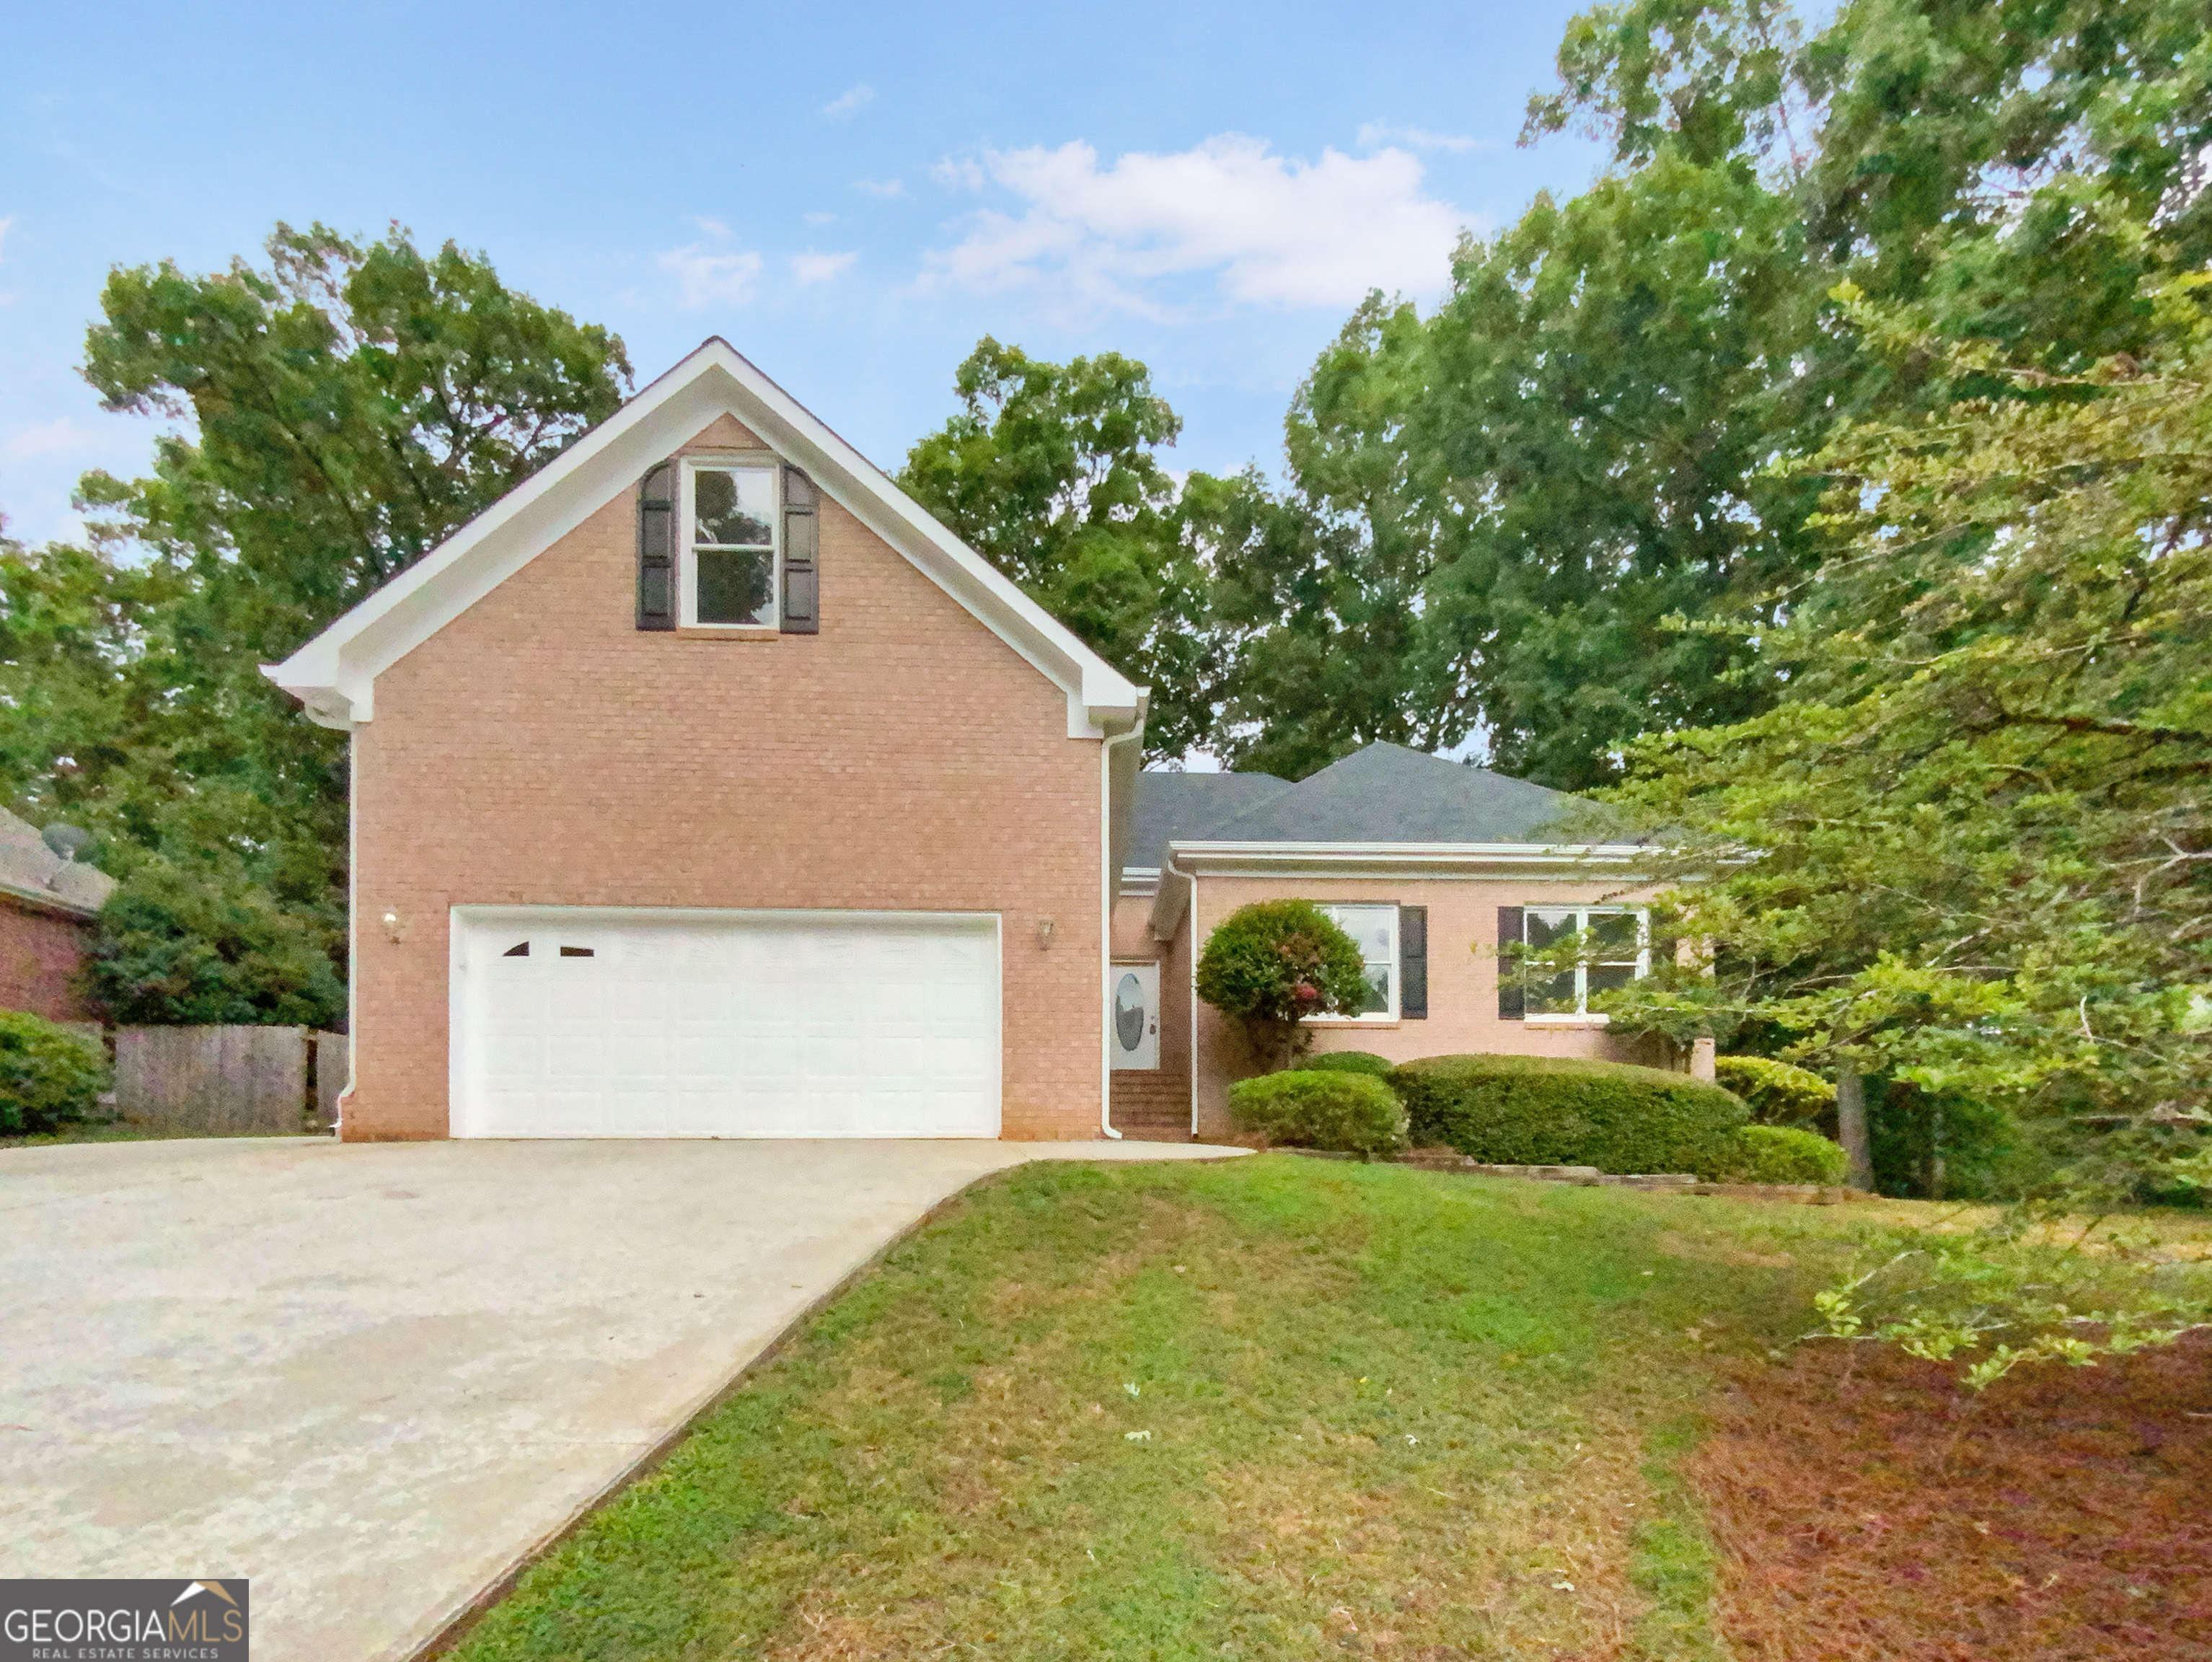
{"type": "Point", "coordinates": [334, 674]}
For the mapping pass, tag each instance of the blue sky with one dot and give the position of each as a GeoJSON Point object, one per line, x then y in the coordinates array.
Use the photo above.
{"type": "Point", "coordinates": [850, 194]}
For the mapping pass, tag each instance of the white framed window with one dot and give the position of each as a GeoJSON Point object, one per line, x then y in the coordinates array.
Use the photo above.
{"type": "Point", "coordinates": [1615, 949]}
{"type": "Point", "coordinates": [1376, 930]}
{"type": "Point", "coordinates": [733, 543]}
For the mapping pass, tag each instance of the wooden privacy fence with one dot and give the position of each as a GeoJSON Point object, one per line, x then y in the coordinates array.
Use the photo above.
{"type": "Point", "coordinates": [214, 1082]}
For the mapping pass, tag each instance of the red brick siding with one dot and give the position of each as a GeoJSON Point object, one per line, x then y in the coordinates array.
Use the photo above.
{"type": "Point", "coordinates": [1462, 979]}
{"type": "Point", "coordinates": [40, 955]}
{"type": "Point", "coordinates": [541, 750]}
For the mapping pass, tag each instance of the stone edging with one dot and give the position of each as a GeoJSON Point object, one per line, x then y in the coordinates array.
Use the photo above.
{"type": "Point", "coordinates": [1589, 1176]}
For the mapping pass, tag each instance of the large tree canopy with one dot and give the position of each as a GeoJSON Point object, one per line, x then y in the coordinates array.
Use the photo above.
{"type": "Point", "coordinates": [341, 409]}
{"type": "Point", "coordinates": [1051, 472]}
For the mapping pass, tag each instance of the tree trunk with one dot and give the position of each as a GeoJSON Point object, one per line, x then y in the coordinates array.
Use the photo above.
{"type": "Point", "coordinates": [1851, 1124]}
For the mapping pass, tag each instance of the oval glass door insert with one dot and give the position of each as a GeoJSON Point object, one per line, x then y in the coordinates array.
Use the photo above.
{"type": "Point", "coordinates": [1130, 1011]}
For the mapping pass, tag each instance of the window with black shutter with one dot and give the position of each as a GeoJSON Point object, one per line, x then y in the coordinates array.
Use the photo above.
{"type": "Point", "coordinates": [1512, 989]}
{"type": "Point", "coordinates": [656, 548]}
{"type": "Point", "coordinates": [802, 553]}
{"type": "Point", "coordinates": [1413, 963]}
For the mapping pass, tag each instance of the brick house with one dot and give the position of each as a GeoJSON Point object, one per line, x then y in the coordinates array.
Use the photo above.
{"type": "Point", "coordinates": [49, 905]}
{"type": "Point", "coordinates": [705, 786]}
{"type": "Point", "coordinates": [1430, 864]}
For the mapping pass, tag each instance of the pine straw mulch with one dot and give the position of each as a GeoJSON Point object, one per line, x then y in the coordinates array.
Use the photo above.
{"type": "Point", "coordinates": [1866, 1507]}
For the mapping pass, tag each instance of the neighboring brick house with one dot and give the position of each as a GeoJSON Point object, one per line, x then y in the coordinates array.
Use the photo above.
{"type": "Point", "coordinates": [48, 908]}
{"type": "Point", "coordinates": [705, 785]}
{"type": "Point", "coordinates": [1428, 864]}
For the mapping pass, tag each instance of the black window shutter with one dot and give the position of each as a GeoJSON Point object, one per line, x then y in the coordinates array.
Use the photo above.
{"type": "Point", "coordinates": [1413, 963]}
{"type": "Point", "coordinates": [1512, 992]}
{"type": "Point", "coordinates": [802, 554]}
{"type": "Point", "coordinates": [656, 548]}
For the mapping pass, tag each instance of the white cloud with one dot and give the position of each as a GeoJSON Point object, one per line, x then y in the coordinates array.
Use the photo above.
{"type": "Point", "coordinates": [818, 217]}
{"type": "Point", "coordinates": [813, 267]}
{"type": "Point", "coordinates": [4, 224]}
{"type": "Point", "coordinates": [1271, 229]}
{"type": "Point", "coordinates": [713, 279]}
{"type": "Point", "coordinates": [714, 227]}
{"type": "Point", "coordinates": [1376, 134]}
{"type": "Point", "coordinates": [64, 436]}
{"type": "Point", "coordinates": [847, 101]}
{"type": "Point", "coordinates": [881, 186]}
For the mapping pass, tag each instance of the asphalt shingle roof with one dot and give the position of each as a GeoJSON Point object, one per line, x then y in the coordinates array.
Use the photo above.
{"type": "Point", "coordinates": [29, 868]}
{"type": "Point", "coordinates": [1173, 807]}
{"type": "Point", "coordinates": [1388, 794]}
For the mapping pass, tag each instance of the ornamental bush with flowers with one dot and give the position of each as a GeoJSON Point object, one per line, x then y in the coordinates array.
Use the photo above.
{"type": "Point", "coordinates": [1273, 964]}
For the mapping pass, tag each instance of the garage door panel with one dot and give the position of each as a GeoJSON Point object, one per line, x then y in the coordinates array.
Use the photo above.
{"type": "Point", "coordinates": [727, 1024]}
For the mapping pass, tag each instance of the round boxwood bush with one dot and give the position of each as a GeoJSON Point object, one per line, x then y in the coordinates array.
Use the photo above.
{"type": "Point", "coordinates": [1782, 1153]}
{"type": "Point", "coordinates": [1545, 1111]}
{"type": "Point", "coordinates": [1349, 1062]}
{"type": "Point", "coordinates": [1321, 1108]}
{"type": "Point", "coordinates": [48, 1075]}
{"type": "Point", "coordinates": [1273, 964]}
{"type": "Point", "coordinates": [1777, 1093]}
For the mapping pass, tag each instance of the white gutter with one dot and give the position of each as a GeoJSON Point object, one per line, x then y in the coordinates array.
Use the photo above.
{"type": "Point", "coordinates": [1188, 858]}
{"type": "Point", "coordinates": [1109, 882]}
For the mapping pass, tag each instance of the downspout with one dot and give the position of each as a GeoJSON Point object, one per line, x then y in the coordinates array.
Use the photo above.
{"type": "Point", "coordinates": [1107, 883]}
{"type": "Point", "coordinates": [353, 929]}
{"type": "Point", "coordinates": [1190, 935]}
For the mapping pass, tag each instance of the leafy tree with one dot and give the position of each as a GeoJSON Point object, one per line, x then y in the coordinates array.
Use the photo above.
{"type": "Point", "coordinates": [1051, 473]}
{"type": "Point", "coordinates": [1538, 485]}
{"type": "Point", "coordinates": [1969, 849]}
{"type": "Point", "coordinates": [346, 406]}
{"type": "Point", "coordinates": [1318, 591]}
{"type": "Point", "coordinates": [177, 946]}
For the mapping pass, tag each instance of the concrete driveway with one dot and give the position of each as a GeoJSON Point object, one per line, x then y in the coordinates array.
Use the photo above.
{"type": "Point", "coordinates": [371, 1378]}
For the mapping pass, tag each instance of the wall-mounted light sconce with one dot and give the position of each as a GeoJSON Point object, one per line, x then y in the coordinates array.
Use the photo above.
{"type": "Point", "coordinates": [1044, 935]}
{"type": "Point", "coordinates": [395, 927]}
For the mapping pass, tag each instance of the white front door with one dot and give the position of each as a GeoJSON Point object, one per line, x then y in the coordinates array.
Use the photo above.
{"type": "Point", "coordinates": [1133, 1006]}
{"type": "Point", "coordinates": [596, 1022]}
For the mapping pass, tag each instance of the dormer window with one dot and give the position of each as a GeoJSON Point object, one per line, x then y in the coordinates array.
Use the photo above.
{"type": "Point", "coordinates": [732, 549]}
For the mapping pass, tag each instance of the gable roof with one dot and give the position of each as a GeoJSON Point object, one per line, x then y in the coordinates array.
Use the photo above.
{"type": "Point", "coordinates": [1173, 806]}
{"type": "Point", "coordinates": [334, 675]}
{"type": "Point", "coordinates": [1388, 794]}
{"type": "Point", "coordinates": [31, 871]}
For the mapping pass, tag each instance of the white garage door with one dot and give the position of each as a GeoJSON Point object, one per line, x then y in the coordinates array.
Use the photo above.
{"type": "Point", "coordinates": [580, 1022]}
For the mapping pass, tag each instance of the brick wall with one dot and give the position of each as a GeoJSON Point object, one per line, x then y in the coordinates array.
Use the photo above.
{"type": "Point", "coordinates": [39, 954]}
{"type": "Point", "coordinates": [540, 750]}
{"type": "Point", "coordinates": [1462, 978]}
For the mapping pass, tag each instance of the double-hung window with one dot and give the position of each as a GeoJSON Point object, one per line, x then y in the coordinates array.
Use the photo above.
{"type": "Point", "coordinates": [1376, 930]}
{"type": "Point", "coordinates": [731, 543]}
{"type": "Point", "coordinates": [1612, 947]}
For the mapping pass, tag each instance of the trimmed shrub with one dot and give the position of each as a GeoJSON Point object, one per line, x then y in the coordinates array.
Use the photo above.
{"type": "Point", "coordinates": [1273, 963]}
{"type": "Point", "coordinates": [48, 1075]}
{"type": "Point", "coordinates": [180, 947]}
{"type": "Point", "coordinates": [1321, 1108]}
{"type": "Point", "coordinates": [1348, 1061]}
{"type": "Point", "coordinates": [1544, 1111]}
{"type": "Point", "coordinates": [1782, 1153]}
{"type": "Point", "coordinates": [1776, 1092]}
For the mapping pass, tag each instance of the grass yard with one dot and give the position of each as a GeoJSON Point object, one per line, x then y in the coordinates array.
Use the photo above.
{"type": "Point", "coordinates": [1274, 1408]}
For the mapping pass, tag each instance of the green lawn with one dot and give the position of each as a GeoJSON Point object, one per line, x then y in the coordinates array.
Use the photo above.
{"type": "Point", "coordinates": [1262, 1409]}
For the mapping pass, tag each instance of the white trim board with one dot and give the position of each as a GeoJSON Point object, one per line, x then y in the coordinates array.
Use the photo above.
{"type": "Point", "coordinates": [334, 675]}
